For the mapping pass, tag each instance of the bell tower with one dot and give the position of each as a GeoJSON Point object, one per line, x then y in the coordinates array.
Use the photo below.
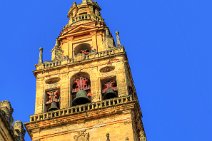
{"type": "Point", "coordinates": [86, 91]}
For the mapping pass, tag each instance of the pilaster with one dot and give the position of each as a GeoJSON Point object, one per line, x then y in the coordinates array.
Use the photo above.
{"type": "Point", "coordinates": [65, 91]}
{"type": "Point", "coordinates": [39, 106]}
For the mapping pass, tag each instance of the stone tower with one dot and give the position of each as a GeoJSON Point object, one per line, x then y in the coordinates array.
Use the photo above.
{"type": "Point", "coordinates": [86, 91]}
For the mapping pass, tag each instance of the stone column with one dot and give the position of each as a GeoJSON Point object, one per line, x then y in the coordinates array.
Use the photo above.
{"type": "Point", "coordinates": [40, 60]}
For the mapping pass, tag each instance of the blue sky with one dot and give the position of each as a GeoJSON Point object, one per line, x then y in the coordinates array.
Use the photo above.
{"type": "Point", "coordinates": [169, 45]}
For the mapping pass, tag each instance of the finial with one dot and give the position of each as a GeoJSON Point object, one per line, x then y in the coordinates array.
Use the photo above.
{"type": "Point", "coordinates": [40, 61]}
{"type": "Point", "coordinates": [57, 42]}
{"type": "Point", "coordinates": [108, 137]}
{"type": "Point", "coordinates": [57, 52]}
{"type": "Point", "coordinates": [107, 32]}
{"type": "Point", "coordinates": [86, 1]}
{"type": "Point", "coordinates": [118, 41]}
{"type": "Point", "coordinates": [74, 4]}
{"type": "Point", "coordinates": [127, 139]}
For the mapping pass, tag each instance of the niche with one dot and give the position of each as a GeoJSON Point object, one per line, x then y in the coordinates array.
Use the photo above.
{"type": "Point", "coordinates": [82, 49]}
{"type": "Point", "coordinates": [109, 88]}
{"type": "Point", "coordinates": [52, 100]}
{"type": "Point", "coordinates": [80, 89]}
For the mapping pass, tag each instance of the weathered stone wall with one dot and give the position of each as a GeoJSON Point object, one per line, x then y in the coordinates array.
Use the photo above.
{"type": "Point", "coordinates": [4, 132]}
{"type": "Point", "coordinates": [86, 46]}
{"type": "Point", "coordinates": [9, 131]}
{"type": "Point", "coordinates": [118, 126]}
{"type": "Point", "coordinates": [66, 73]}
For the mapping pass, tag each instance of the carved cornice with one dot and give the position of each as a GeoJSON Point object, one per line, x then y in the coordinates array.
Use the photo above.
{"type": "Point", "coordinates": [81, 29]}
{"type": "Point", "coordinates": [47, 66]}
{"type": "Point", "coordinates": [80, 113]}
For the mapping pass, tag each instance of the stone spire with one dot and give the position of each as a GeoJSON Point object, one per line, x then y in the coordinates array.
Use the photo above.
{"type": "Point", "coordinates": [118, 41]}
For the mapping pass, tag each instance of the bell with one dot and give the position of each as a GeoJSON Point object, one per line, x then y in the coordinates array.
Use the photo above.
{"type": "Point", "coordinates": [81, 98]}
{"type": "Point", "coordinates": [110, 93]}
{"type": "Point", "coordinates": [53, 107]}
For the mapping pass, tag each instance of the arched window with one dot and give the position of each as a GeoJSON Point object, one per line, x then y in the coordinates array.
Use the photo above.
{"type": "Point", "coordinates": [52, 99]}
{"type": "Point", "coordinates": [82, 49]}
{"type": "Point", "coordinates": [109, 88]}
{"type": "Point", "coordinates": [80, 89]}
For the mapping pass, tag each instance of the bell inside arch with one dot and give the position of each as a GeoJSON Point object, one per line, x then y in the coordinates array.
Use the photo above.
{"type": "Point", "coordinates": [110, 93]}
{"type": "Point", "coordinates": [53, 107]}
{"type": "Point", "coordinates": [81, 98]}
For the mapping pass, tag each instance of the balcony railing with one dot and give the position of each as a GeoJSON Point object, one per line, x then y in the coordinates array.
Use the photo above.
{"type": "Point", "coordinates": [93, 55]}
{"type": "Point", "coordinates": [81, 17]}
{"type": "Point", "coordinates": [81, 108]}
{"type": "Point", "coordinates": [52, 64]}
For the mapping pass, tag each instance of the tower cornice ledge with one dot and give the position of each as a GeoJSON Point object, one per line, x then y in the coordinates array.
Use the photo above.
{"type": "Point", "coordinates": [96, 56]}
{"type": "Point", "coordinates": [82, 113]}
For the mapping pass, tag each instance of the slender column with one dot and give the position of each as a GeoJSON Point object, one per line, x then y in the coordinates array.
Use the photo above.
{"type": "Point", "coordinates": [40, 60]}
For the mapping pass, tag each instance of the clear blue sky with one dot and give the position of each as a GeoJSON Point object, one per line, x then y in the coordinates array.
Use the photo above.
{"type": "Point", "coordinates": [169, 45]}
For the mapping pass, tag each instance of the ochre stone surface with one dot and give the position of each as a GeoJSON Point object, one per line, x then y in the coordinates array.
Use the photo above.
{"type": "Point", "coordinates": [9, 130]}
{"type": "Point", "coordinates": [4, 132]}
{"type": "Point", "coordinates": [86, 31]}
{"type": "Point", "coordinates": [118, 126]}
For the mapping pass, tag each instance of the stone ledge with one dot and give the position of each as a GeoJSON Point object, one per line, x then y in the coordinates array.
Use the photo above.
{"type": "Point", "coordinates": [98, 109]}
{"type": "Point", "coordinates": [85, 58]}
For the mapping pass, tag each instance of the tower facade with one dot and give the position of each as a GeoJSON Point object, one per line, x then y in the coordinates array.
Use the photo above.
{"type": "Point", "coordinates": [86, 91]}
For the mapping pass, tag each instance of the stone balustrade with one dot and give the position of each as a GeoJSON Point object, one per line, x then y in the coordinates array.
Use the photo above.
{"type": "Point", "coordinates": [93, 55]}
{"type": "Point", "coordinates": [51, 64]}
{"type": "Point", "coordinates": [81, 108]}
{"type": "Point", "coordinates": [81, 17]}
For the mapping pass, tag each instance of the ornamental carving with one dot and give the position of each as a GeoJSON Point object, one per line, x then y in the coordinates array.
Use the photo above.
{"type": "Point", "coordinates": [81, 83]}
{"type": "Point", "coordinates": [51, 86]}
{"type": "Point", "coordinates": [57, 51]}
{"type": "Point", "coordinates": [85, 51]}
{"type": "Point", "coordinates": [109, 85]}
{"type": "Point", "coordinates": [53, 100]}
{"type": "Point", "coordinates": [52, 96]}
{"type": "Point", "coordinates": [82, 136]}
